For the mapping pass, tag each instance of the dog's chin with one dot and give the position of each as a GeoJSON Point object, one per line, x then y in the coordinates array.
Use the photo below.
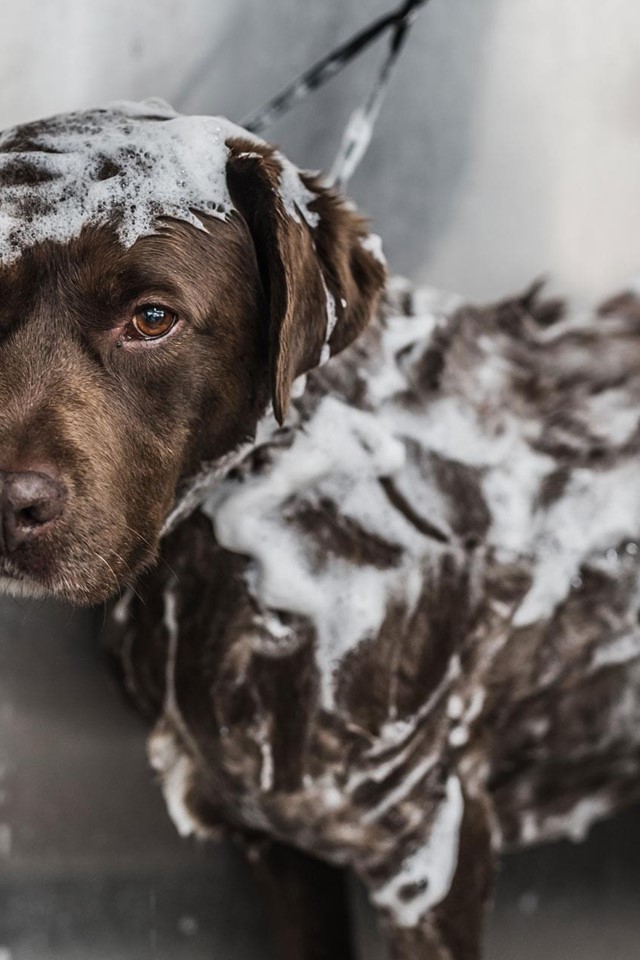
{"type": "Point", "coordinates": [79, 595]}
{"type": "Point", "coordinates": [23, 588]}
{"type": "Point", "coordinates": [83, 591]}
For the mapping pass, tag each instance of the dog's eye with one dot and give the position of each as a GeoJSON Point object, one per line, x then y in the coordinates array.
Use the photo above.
{"type": "Point", "coordinates": [153, 321]}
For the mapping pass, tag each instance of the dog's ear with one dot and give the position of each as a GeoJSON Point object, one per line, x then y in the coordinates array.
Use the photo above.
{"type": "Point", "coordinates": [319, 268]}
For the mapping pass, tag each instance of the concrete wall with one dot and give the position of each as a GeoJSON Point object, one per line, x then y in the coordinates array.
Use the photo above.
{"type": "Point", "coordinates": [508, 147]}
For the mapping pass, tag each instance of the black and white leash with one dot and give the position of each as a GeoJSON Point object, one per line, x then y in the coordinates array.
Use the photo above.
{"type": "Point", "coordinates": [357, 134]}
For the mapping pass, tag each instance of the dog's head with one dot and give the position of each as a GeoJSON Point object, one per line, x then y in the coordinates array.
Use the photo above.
{"type": "Point", "coordinates": [163, 280]}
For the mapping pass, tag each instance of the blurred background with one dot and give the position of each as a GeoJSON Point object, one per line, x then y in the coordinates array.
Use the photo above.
{"type": "Point", "coordinates": [508, 147]}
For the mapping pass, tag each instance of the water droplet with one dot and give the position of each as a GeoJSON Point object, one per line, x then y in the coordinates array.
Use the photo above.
{"type": "Point", "coordinates": [632, 549]}
{"type": "Point", "coordinates": [458, 736]}
{"type": "Point", "coordinates": [188, 926]}
{"type": "Point", "coordinates": [529, 903]}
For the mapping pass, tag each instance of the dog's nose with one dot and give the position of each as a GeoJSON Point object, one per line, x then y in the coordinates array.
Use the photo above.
{"type": "Point", "coordinates": [28, 502]}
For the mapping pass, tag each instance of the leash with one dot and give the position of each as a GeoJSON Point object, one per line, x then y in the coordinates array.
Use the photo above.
{"type": "Point", "coordinates": [359, 128]}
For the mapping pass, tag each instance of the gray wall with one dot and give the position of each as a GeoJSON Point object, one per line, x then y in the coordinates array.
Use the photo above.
{"type": "Point", "coordinates": [507, 148]}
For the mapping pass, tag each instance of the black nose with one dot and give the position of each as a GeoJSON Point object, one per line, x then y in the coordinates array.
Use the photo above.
{"type": "Point", "coordinates": [28, 502]}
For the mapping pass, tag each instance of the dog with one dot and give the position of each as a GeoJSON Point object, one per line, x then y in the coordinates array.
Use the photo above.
{"type": "Point", "coordinates": [371, 552]}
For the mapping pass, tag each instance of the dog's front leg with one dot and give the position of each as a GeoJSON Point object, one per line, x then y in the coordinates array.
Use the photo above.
{"type": "Point", "coordinates": [306, 902]}
{"type": "Point", "coordinates": [431, 940]}
{"type": "Point", "coordinates": [452, 929]}
{"type": "Point", "coordinates": [417, 943]}
{"type": "Point", "coordinates": [453, 932]}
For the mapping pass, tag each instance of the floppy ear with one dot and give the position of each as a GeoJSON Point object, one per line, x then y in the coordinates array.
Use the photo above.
{"type": "Point", "coordinates": [318, 266]}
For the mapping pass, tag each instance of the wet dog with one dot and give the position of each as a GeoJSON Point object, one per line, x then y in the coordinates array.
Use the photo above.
{"type": "Point", "coordinates": [396, 625]}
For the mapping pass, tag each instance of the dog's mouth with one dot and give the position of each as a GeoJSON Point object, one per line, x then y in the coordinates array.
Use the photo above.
{"type": "Point", "coordinates": [65, 570]}
{"type": "Point", "coordinates": [30, 562]}
{"type": "Point", "coordinates": [85, 554]}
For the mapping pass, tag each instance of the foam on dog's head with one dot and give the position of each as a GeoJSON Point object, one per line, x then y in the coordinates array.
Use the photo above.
{"type": "Point", "coordinates": [127, 164]}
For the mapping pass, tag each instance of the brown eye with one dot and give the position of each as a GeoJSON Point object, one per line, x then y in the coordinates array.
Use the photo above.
{"type": "Point", "coordinates": [153, 321]}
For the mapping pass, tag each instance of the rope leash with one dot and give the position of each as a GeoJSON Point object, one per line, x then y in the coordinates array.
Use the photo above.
{"type": "Point", "coordinates": [359, 128]}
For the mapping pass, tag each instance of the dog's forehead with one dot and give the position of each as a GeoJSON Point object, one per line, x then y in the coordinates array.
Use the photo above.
{"type": "Point", "coordinates": [127, 164]}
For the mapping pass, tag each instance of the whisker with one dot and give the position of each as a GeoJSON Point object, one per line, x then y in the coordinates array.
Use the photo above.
{"type": "Point", "coordinates": [149, 544]}
{"type": "Point", "coordinates": [113, 573]}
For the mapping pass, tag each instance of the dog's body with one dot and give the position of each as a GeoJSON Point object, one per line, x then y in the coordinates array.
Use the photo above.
{"type": "Point", "coordinates": [413, 611]}
{"type": "Point", "coordinates": [397, 630]}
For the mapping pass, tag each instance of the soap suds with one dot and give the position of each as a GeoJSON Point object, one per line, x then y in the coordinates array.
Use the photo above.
{"type": "Point", "coordinates": [127, 163]}
{"type": "Point", "coordinates": [431, 868]}
{"type": "Point", "coordinates": [340, 443]}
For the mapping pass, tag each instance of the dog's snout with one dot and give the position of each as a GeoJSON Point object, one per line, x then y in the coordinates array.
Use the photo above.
{"type": "Point", "coordinates": [29, 501]}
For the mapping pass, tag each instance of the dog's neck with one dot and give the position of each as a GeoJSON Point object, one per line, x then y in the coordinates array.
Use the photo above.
{"type": "Point", "coordinates": [401, 297]}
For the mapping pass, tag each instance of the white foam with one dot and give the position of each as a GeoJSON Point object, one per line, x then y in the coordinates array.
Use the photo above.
{"type": "Point", "coordinates": [136, 162]}
{"type": "Point", "coordinates": [332, 319]}
{"type": "Point", "coordinates": [621, 650]}
{"type": "Point", "coordinates": [611, 415]}
{"type": "Point", "coordinates": [296, 197]}
{"type": "Point", "coordinates": [597, 509]}
{"type": "Point", "coordinates": [340, 445]}
{"type": "Point", "coordinates": [414, 775]}
{"type": "Point", "coordinates": [432, 865]}
{"type": "Point", "coordinates": [372, 243]}
{"type": "Point", "coordinates": [573, 825]}
{"type": "Point", "coordinates": [176, 771]}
